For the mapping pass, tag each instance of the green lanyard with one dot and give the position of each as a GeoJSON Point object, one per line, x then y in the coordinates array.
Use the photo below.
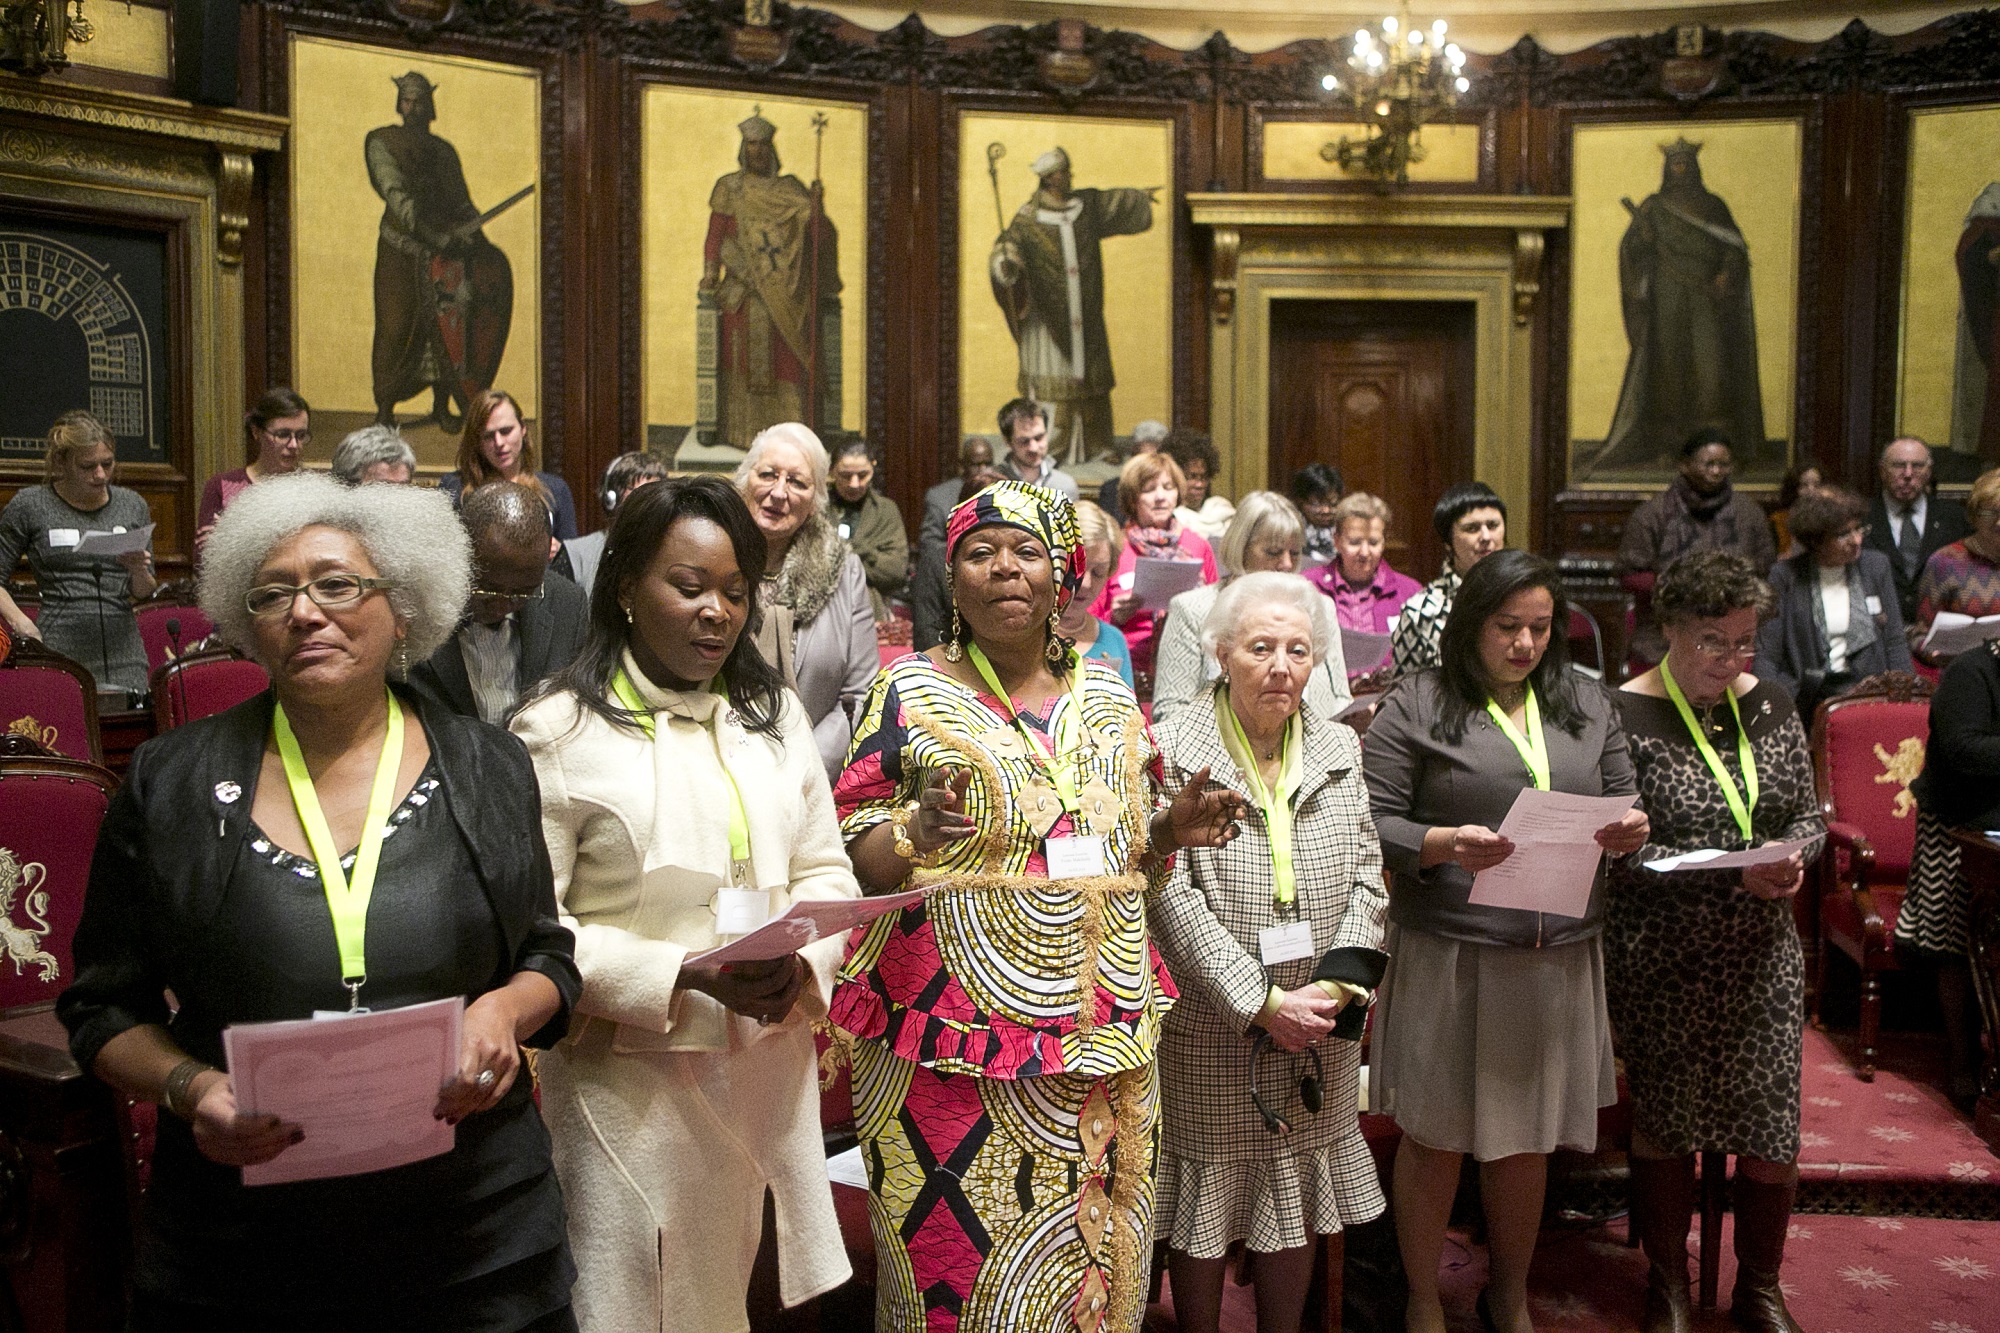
{"type": "Point", "coordinates": [1740, 803]}
{"type": "Point", "coordinates": [739, 821]}
{"type": "Point", "coordinates": [1534, 746]}
{"type": "Point", "coordinates": [346, 900]}
{"type": "Point", "coordinates": [1062, 766]}
{"type": "Point", "coordinates": [1273, 801]}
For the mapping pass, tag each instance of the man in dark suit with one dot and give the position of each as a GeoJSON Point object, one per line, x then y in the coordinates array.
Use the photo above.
{"type": "Point", "coordinates": [1906, 522]}
{"type": "Point", "coordinates": [523, 622]}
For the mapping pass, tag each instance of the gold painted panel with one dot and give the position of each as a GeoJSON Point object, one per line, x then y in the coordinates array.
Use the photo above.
{"type": "Point", "coordinates": [1292, 151]}
{"type": "Point", "coordinates": [490, 114]}
{"type": "Point", "coordinates": [129, 38]}
{"type": "Point", "coordinates": [1753, 167]}
{"type": "Point", "coordinates": [692, 140]}
{"type": "Point", "coordinates": [1106, 154]}
{"type": "Point", "coordinates": [1954, 194]}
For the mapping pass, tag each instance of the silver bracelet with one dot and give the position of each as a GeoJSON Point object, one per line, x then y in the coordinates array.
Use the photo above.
{"type": "Point", "coordinates": [179, 1080]}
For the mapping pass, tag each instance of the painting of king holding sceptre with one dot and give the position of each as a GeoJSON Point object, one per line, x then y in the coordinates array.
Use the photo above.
{"type": "Point", "coordinates": [770, 282]}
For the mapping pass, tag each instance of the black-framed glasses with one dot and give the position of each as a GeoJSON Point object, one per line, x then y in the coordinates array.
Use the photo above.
{"type": "Point", "coordinates": [288, 436]}
{"type": "Point", "coordinates": [494, 594]}
{"type": "Point", "coordinates": [329, 592]}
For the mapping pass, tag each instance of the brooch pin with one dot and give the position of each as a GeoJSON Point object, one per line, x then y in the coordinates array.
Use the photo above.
{"type": "Point", "coordinates": [1766, 709]}
{"type": "Point", "coordinates": [228, 792]}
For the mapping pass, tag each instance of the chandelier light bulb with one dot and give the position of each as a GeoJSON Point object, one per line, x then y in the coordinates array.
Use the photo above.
{"type": "Point", "coordinates": [1329, 83]}
{"type": "Point", "coordinates": [1416, 37]}
{"type": "Point", "coordinates": [1464, 85]}
{"type": "Point", "coordinates": [1389, 26]}
{"type": "Point", "coordinates": [1437, 29]}
{"type": "Point", "coordinates": [1363, 39]}
{"type": "Point", "coordinates": [1374, 60]}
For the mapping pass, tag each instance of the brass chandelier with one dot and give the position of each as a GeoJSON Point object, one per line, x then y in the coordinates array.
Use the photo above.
{"type": "Point", "coordinates": [1398, 75]}
{"type": "Point", "coordinates": [35, 34]}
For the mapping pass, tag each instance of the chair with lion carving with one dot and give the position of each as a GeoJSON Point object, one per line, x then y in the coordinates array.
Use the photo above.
{"type": "Point", "coordinates": [51, 700]}
{"type": "Point", "coordinates": [1868, 746]}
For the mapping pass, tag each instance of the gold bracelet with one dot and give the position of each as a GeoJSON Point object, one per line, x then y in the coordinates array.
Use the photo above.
{"type": "Point", "coordinates": [899, 826]}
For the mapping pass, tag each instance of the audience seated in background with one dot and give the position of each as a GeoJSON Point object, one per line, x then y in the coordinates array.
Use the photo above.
{"type": "Point", "coordinates": [276, 430]}
{"type": "Point", "coordinates": [495, 444]}
{"type": "Point", "coordinates": [1316, 489]}
{"type": "Point", "coordinates": [1024, 429]}
{"type": "Point", "coordinates": [208, 840]}
{"type": "Point", "coordinates": [623, 475]}
{"type": "Point", "coordinates": [1705, 977]}
{"type": "Point", "coordinates": [930, 592]}
{"type": "Point", "coordinates": [871, 525]}
{"type": "Point", "coordinates": [1244, 1155]}
{"type": "Point", "coordinates": [1147, 437]}
{"type": "Point", "coordinates": [1964, 576]}
{"type": "Point", "coordinates": [1093, 638]}
{"type": "Point", "coordinates": [818, 626]}
{"type": "Point", "coordinates": [1367, 594]}
{"type": "Point", "coordinates": [1837, 620]}
{"type": "Point", "coordinates": [523, 621]}
{"type": "Point", "coordinates": [1798, 480]}
{"type": "Point", "coordinates": [86, 609]}
{"type": "Point", "coordinates": [1201, 510]}
{"type": "Point", "coordinates": [374, 453]}
{"type": "Point", "coordinates": [1150, 487]}
{"type": "Point", "coordinates": [1908, 521]}
{"type": "Point", "coordinates": [1699, 511]}
{"type": "Point", "coordinates": [1266, 534]}
{"type": "Point", "coordinates": [1471, 521]}
{"type": "Point", "coordinates": [974, 455]}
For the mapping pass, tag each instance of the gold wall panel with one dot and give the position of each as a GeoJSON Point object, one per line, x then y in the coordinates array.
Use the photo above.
{"type": "Point", "coordinates": [1954, 157]}
{"type": "Point", "coordinates": [1292, 152]}
{"type": "Point", "coordinates": [133, 39]}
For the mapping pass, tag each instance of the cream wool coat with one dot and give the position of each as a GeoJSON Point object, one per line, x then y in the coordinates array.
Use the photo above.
{"type": "Point", "coordinates": [670, 1115]}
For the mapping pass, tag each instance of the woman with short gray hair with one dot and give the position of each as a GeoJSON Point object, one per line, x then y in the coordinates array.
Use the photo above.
{"type": "Point", "coordinates": [1267, 533]}
{"type": "Point", "coordinates": [374, 453]}
{"type": "Point", "coordinates": [326, 586]}
{"type": "Point", "coordinates": [819, 626]}
{"type": "Point", "coordinates": [1275, 940]}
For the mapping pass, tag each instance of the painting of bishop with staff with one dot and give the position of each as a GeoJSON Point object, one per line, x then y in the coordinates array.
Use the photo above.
{"type": "Point", "coordinates": [1048, 275]}
{"type": "Point", "coordinates": [770, 294]}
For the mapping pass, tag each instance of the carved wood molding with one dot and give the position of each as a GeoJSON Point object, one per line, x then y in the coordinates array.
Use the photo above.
{"type": "Point", "coordinates": [1529, 243]}
{"type": "Point", "coordinates": [1228, 245]}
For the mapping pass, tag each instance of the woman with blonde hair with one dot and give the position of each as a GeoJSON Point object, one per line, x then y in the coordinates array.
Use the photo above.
{"type": "Point", "coordinates": [1094, 638]}
{"type": "Point", "coordinates": [496, 445]}
{"type": "Point", "coordinates": [86, 610]}
{"type": "Point", "coordinates": [1268, 532]}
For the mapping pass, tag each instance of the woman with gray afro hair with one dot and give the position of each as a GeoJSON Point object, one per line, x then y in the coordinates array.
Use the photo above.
{"type": "Point", "coordinates": [409, 533]}
{"type": "Point", "coordinates": [335, 843]}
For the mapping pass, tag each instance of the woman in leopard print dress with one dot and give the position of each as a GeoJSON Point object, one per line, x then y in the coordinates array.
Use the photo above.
{"type": "Point", "coordinates": [1705, 978]}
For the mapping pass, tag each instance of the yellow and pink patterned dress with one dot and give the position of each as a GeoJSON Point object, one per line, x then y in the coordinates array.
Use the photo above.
{"type": "Point", "coordinates": [1003, 1030]}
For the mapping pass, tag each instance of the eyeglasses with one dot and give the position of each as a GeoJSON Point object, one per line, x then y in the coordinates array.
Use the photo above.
{"type": "Point", "coordinates": [329, 592]}
{"type": "Point", "coordinates": [1715, 650]}
{"type": "Point", "coordinates": [289, 436]}
{"type": "Point", "coordinates": [495, 595]}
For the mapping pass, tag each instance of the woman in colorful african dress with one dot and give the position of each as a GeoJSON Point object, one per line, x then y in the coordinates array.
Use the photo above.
{"type": "Point", "coordinates": [1003, 1030]}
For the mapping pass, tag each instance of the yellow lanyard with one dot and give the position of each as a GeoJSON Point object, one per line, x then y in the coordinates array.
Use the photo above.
{"type": "Point", "coordinates": [1062, 766]}
{"type": "Point", "coordinates": [739, 820]}
{"type": "Point", "coordinates": [1274, 801]}
{"type": "Point", "coordinates": [1741, 803]}
{"type": "Point", "coordinates": [1534, 747]}
{"type": "Point", "coordinates": [346, 900]}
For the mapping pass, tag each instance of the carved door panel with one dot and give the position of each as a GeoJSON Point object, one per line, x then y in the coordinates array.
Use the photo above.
{"type": "Point", "coordinates": [1382, 390]}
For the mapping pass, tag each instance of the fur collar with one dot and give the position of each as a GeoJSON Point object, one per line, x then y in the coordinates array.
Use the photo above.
{"type": "Point", "coordinates": [805, 582]}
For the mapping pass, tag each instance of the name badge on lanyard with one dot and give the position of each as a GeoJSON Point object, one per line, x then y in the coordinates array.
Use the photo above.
{"type": "Point", "coordinates": [1282, 944]}
{"type": "Point", "coordinates": [1077, 857]}
{"type": "Point", "coordinates": [740, 911]}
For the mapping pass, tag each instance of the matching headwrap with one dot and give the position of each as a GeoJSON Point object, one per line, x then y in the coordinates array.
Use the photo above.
{"type": "Point", "coordinates": [1043, 514]}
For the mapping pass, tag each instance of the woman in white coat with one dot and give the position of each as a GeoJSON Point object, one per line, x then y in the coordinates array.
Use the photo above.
{"type": "Point", "coordinates": [683, 801]}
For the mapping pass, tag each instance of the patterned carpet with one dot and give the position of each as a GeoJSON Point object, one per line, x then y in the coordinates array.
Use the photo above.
{"type": "Point", "coordinates": [1899, 1228]}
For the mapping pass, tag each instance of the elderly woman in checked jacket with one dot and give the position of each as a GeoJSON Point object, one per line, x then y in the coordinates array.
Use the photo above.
{"type": "Point", "coordinates": [1273, 938]}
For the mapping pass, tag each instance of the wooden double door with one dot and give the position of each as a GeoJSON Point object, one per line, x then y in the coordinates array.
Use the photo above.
{"type": "Point", "coordinates": [1382, 390]}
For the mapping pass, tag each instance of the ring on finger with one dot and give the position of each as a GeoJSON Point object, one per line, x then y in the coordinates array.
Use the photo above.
{"type": "Point", "coordinates": [487, 1078]}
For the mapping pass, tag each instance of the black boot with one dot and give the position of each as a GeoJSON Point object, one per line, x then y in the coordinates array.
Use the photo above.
{"type": "Point", "coordinates": [1763, 1214]}
{"type": "Point", "coordinates": [1662, 1207]}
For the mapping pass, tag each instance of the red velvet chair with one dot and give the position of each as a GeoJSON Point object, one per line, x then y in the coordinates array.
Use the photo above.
{"type": "Point", "coordinates": [51, 700]}
{"type": "Point", "coordinates": [1868, 746]}
{"type": "Point", "coordinates": [169, 622]}
{"type": "Point", "coordinates": [68, 1270]}
{"type": "Point", "coordinates": [203, 684]}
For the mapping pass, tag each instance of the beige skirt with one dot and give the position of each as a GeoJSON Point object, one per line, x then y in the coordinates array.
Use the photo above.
{"type": "Point", "coordinates": [1490, 1049]}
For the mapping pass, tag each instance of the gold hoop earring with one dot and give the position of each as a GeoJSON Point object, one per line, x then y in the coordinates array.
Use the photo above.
{"type": "Point", "coordinates": [953, 650]}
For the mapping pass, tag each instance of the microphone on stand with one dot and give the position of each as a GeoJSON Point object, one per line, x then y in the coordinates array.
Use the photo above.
{"type": "Point", "coordinates": [180, 686]}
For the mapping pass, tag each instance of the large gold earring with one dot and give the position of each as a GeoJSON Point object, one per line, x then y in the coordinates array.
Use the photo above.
{"type": "Point", "coordinates": [953, 652]}
{"type": "Point", "coordinates": [1057, 649]}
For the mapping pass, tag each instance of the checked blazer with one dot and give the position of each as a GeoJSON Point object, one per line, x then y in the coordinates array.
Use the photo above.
{"type": "Point", "coordinates": [1223, 1177]}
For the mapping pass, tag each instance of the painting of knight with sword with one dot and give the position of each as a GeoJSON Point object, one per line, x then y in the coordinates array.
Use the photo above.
{"type": "Point", "coordinates": [444, 294]}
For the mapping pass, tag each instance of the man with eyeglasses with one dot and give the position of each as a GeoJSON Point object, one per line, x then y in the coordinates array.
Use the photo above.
{"type": "Point", "coordinates": [1906, 522]}
{"type": "Point", "coordinates": [523, 622]}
